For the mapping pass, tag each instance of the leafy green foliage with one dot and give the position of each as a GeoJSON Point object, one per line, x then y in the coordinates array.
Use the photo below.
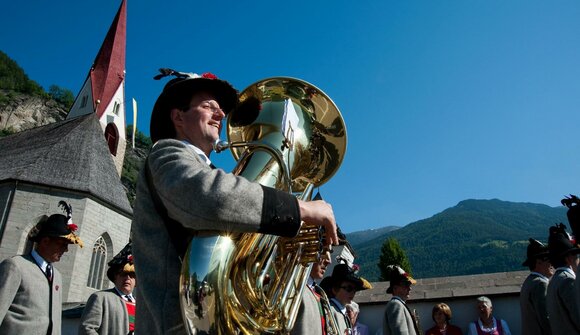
{"type": "Point", "coordinates": [392, 254]}
{"type": "Point", "coordinates": [475, 236]}
{"type": "Point", "coordinates": [12, 77]}
{"type": "Point", "coordinates": [62, 95]}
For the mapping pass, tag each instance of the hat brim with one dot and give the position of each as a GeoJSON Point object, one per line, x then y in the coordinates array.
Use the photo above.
{"type": "Point", "coordinates": [125, 268]}
{"type": "Point", "coordinates": [529, 261]}
{"type": "Point", "coordinates": [161, 125]}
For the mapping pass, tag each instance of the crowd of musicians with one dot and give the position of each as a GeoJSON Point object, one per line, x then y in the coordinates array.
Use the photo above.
{"type": "Point", "coordinates": [180, 191]}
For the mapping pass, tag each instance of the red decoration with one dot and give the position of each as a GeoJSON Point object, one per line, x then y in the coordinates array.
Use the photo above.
{"type": "Point", "coordinates": [73, 227]}
{"type": "Point", "coordinates": [130, 258]}
{"type": "Point", "coordinates": [209, 75]}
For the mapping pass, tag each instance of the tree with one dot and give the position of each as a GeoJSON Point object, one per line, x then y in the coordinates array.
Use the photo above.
{"type": "Point", "coordinates": [61, 95]}
{"type": "Point", "coordinates": [392, 254]}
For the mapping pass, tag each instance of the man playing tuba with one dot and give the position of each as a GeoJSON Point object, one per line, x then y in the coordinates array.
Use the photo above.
{"type": "Point", "coordinates": [180, 194]}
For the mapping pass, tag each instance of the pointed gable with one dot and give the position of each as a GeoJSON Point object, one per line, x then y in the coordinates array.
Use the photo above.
{"type": "Point", "coordinates": [108, 71]}
{"type": "Point", "coordinates": [70, 154]}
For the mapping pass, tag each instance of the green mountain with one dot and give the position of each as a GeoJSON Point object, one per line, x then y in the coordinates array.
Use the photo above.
{"type": "Point", "coordinates": [475, 236]}
{"type": "Point", "coordinates": [363, 236]}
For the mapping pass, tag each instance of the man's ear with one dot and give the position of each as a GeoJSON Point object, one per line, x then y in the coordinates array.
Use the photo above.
{"type": "Point", "coordinates": [176, 116]}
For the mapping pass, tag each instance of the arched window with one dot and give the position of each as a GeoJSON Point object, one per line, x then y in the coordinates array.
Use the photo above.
{"type": "Point", "coordinates": [98, 264]}
{"type": "Point", "coordinates": [116, 107]}
{"type": "Point", "coordinates": [112, 136]}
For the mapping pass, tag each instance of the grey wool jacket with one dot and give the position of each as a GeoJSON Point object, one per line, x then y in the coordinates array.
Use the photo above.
{"type": "Point", "coordinates": [533, 306]}
{"type": "Point", "coordinates": [104, 314]}
{"type": "Point", "coordinates": [200, 199]}
{"type": "Point", "coordinates": [24, 298]}
{"type": "Point", "coordinates": [308, 320]}
{"type": "Point", "coordinates": [398, 320]}
{"type": "Point", "coordinates": [562, 305]}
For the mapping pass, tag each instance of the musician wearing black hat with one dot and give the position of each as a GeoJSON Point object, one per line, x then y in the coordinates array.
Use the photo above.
{"type": "Point", "coordinates": [112, 311]}
{"type": "Point", "coordinates": [398, 318]}
{"type": "Point", "coordinates": [563, 308]}
{"type": "Point", "coordinates": [180, 194]}
{"type": "Point", "coordinates": [534, 313]}
{"type": "Point", "coordinates": [30, 286]}
{"type": "Point", "coordinates": [344, 283]}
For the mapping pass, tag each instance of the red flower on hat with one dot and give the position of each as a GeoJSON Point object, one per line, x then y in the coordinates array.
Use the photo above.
{"type": "Point", "coordinates": [130, 259]}
{"type": "Point", "coordinates": [72, 227]}
{"type": "Point", "coordinates": [209, 75]}
{"type": "Point", "coordinates": [355, 268]}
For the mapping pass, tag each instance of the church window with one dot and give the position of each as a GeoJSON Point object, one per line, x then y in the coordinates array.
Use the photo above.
{"type": "Point", "coordinates": [84, 101]}
{"type": "Point", "coordinates": [98, 264]}
{"type": "Point", "coordinates": [116, 108]}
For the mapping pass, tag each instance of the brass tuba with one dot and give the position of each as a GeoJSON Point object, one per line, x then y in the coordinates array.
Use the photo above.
{"type": "Point", "coordinates": [286, 134]}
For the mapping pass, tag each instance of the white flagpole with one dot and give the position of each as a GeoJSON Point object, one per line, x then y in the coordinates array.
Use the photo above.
{"type": "Point", "coordinates": [134, 120]}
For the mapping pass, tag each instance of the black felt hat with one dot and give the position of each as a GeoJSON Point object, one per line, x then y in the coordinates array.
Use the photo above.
{"type": "Point", "coordinates": [343, 272]}
{"type": "Point", "coordinates": [123, 261]}
{"type": "Point", "coordinates": [56, 225]}
{"type": "Point", "coordinates": [573, 214]}
{"type": "Point", "coordinates": [560, 243]}
{"type": "Point", "coordinates": [398, 276]}
{"type": "Point", "coordinates": [536, 249]}
{"type": "Point", "coordinates": [184, 86]}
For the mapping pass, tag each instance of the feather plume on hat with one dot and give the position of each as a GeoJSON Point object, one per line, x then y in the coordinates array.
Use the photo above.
{"type": "Point", "coordinates": [56, 225]}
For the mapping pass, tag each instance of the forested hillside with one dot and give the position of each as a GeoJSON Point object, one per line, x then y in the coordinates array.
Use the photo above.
{"type": "Point", "coordinates": [475, 236]}
{"type": "Point", "coordinates": [24, 104]}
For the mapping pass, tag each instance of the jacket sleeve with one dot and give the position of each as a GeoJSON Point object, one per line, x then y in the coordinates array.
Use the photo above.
{"type": "Point", "coordinates": [202, 198]}
{"type": "Point", "coordinates": [92, 317]}
{"type": "Point", "coordinates": [10, 278]}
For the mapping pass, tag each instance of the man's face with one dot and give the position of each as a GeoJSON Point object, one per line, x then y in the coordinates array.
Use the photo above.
{"type": "Point", "coordinates": [345, 292]}
{"type": "Point", "coordinates": [200, 124]}
{"type": "Point", "coordinates": [125, 281]}
{"type": "Point", "coordinates": [402, 290]}
{"type": "Point", "coordinates": [319, 268]}
{"type": "Point", "coordinates": [52, 248]}
{"type": "Point", "coordinates": [544, 267]}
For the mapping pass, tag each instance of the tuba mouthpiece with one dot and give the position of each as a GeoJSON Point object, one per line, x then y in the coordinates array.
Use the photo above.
{"type": "Point", "coordinates": [220, 145]}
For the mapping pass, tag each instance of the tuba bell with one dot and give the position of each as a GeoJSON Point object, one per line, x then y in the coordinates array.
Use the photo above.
{"type": "Point", "coordinates": [287, 134]}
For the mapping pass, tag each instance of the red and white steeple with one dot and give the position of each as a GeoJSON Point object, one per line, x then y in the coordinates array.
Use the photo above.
{"type": "Point", "coordinates": [103, 92]}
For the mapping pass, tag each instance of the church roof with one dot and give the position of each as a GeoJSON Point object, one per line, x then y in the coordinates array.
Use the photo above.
{"type": "Point", "coordinates": [70, 154]}
{"type": "Point", "coordinates": [108, 70]}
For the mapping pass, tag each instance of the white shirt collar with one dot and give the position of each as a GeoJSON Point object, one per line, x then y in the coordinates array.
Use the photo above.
{"type": "Point", "coordinates": [123, 294]}
{"type": "Point", "coordinates": [540, 275]}
{"type": "Point", "coordinates": [567, 269]}
{"type": "Point", "coordinates": [339, 305]}
{"type": "Point", "coordinates": [310, 282]}
{"type": "Point", "coordinates": [400, 299]}
{"type": "Point", "coordinates": [198, 151]}
{"type": "Point", "coordinates": [39, 260]}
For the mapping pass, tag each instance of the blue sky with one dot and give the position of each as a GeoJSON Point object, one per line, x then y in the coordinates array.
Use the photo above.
{"type": "Point", "coordinates": [443, 100]}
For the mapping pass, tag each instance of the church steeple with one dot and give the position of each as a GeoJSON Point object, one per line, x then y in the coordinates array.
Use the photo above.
{"type": "Point", "coordinates": [103, 92]}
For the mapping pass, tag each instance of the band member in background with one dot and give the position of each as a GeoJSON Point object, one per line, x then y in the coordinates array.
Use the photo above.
{"type": "Point", "coordinates": [563, 307]}
{"type": "Point", "coordinates": [180, 194]}
{"type": "Point", "coordinates": [398, 318]}
{"type": "Point", "coordinates": [112, 311]}
{"type": "Point", "coordinates": [30, 286]}
{"type": "Point", "coordinates": [344, 283]}
{"type": "Point", "coordinates": [534, 290]}
{"type": "Point", "coordinates": [312, 316]}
